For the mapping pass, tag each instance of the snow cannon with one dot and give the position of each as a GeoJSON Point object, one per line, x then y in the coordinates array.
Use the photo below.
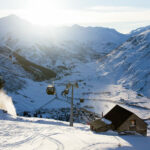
{"type": "Point", "coordinates": [50, 90]}
{"type": "Point", "coordinates": [2, 82]}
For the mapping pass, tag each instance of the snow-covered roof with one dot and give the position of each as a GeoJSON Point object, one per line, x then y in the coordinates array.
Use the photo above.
{"type": "Point", "coordinates": [106, 121]}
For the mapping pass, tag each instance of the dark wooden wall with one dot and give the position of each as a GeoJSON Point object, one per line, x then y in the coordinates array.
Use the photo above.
{"type": "Point", "coordinates": [140, 127]}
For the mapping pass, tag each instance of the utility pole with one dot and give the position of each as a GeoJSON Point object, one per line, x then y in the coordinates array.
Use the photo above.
{"type": "Point", "coordinates": [71, 109]}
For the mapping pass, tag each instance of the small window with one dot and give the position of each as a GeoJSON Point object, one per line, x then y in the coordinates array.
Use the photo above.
{"type": "Point", "coordinates": [132, 126]}
{"type": "Point", "coordinates": [133, 122]}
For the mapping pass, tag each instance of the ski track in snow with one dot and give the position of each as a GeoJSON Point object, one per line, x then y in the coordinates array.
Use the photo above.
{"type": "Point", "coordinates": [60, 146]}
{"type": "Point", "coordinates": [37, 136]}
{"type": "Point", "coordinates": [31, 134]}
{"type": "Point", "coordinates": [95, 146]}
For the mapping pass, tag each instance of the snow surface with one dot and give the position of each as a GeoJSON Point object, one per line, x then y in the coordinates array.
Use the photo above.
{"type": "Point", "coordinates": [43, 134]}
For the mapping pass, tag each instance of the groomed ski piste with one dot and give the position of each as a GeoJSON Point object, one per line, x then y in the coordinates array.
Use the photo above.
{"type": "Point", "coordinates": [20, 133]}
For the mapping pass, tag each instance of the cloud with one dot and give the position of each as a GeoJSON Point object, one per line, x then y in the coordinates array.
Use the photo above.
{"type": "Point", "coordinates": [92, 16]}
{"type": "Point", "coordinates": [118, 13]}
{"type": "Point", "coordinates": [115, 8]}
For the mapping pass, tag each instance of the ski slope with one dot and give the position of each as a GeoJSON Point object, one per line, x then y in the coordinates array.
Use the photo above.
{"type": "Point", "coordinates": [18, 133]}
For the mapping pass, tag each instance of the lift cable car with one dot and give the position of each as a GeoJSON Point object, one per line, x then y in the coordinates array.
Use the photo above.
{"type": "Point", "coordinates": [65, 92]}
{"type": "Point", "coordinates": [50, 90]}
{"type": "Point", "coordinates": [81, 100]}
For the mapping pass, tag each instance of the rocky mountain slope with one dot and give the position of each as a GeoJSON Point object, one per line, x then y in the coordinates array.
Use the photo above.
{"type": "Point", "coordinates": [14, 67]}
{"type": "Point", "coordinates": [129, 64]}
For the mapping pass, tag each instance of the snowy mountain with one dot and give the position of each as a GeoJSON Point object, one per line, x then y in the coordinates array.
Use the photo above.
{"type": "Point", "coordinates": [57, 45]}
{"type": "Point", "coordinates": [12, 64]}
{"type": "Point", "coordinates": [101, 60]}
{"type": "Point", "coordinates": [129, 64]}
{"type": "Point", "coordinates": [139, 30]}
{"type": "Point", "coordinates": [101, 39]}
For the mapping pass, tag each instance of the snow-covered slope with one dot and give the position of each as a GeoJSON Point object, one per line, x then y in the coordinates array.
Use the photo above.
{"type": "Point", "coordinates": [139, 30]}
{"type": "Point", "coordinates": [15, 69]}
{"type": "Point", "coordinates": [42, 134]}
{"type": "Point", "coordinates": [100, 39]}
{"type": "Point", "coordinates": [129, 64]}
{"type": "Point", "coordinates": [57, 45]}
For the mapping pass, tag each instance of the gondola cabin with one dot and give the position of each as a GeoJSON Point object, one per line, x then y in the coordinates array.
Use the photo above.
{"type": "Point", "coordinates": [66, 91]}
{"type": "Point", "coordinates": [51, 90]}
{"type": "Point", "coordinates": [81, 100]}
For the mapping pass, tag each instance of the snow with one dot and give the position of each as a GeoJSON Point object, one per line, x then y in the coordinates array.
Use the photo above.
{"type": "Point", "coordinates": [106, 121]}
{"type": "Point", "coordinates": [6, 103]}
{"type": "Point", "coordinates": [128, 65]}
{"type": "Point", "coordinates": [41, 134]}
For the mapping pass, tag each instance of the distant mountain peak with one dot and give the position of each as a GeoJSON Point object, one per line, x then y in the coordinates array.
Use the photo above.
{"type": "Point", "coordinates": [139, 30]}
{"type": "Point", "coordinates": [13, 19]}
{"type": "Point", "coordinates": [10, 17]}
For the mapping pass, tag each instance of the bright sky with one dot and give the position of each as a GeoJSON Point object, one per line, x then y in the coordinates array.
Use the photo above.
{"type": "Point", "coordinates": [123, 15]}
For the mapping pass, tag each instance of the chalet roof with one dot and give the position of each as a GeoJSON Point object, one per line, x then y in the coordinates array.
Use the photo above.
{"type": "Point", "coordinates": [117, 115]}
{"type": "Point", "coordinates": [99, 123]}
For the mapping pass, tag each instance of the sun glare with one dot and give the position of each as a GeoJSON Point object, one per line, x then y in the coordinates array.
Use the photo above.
{"type": "Point", "coordinates": [45, 12]}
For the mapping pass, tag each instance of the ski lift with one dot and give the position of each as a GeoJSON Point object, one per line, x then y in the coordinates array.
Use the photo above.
{"type": "Point", "coordinates": [66, 91]}
{"type": "Point", "coordinates": [1, 82]}
{"type": "Point", "coordinates": [51, 90]}
{"type": "Point", "coordinates": [81, 100]}
{"type": "Point", "coordinates": [68, 85]}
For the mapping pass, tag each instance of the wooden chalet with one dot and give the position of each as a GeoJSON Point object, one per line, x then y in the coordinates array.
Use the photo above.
{"type": "Point", "coordinates": [122, 121]}
{"type": "Point", "coordinates": [125, 121]}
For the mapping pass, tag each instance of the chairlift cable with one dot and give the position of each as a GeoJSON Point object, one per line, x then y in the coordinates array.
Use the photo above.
{"type": "Point", "coordinates": [47, 103]}
{"type": "Point", "coordinates": [81, 109]}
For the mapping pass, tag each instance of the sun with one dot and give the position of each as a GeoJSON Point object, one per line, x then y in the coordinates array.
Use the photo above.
{"type": "Point", "coordinates": [46, 12]}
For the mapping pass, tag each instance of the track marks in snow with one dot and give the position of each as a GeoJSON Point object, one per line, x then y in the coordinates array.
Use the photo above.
{"type": "Point", "coordinates": [96, 146]}
{"type": "Point", "coordinates": [60, 146]}
{"type": "Point", "coordinates": [35, 138]}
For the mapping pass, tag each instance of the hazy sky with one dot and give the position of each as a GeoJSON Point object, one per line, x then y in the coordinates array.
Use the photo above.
{"type": "Point", "coordinates": [123, 15]}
